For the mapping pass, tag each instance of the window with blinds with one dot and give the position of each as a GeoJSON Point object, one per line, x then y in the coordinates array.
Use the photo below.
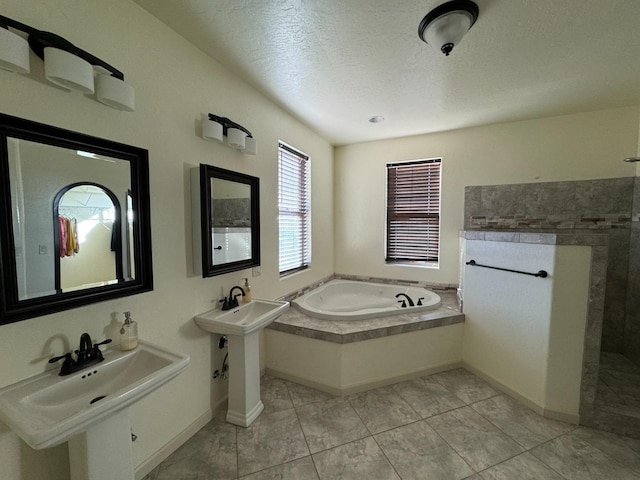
{"type": "Point", "coordinates": [413, 211]}
{"type": "Point", "coordinates": [294, 209]}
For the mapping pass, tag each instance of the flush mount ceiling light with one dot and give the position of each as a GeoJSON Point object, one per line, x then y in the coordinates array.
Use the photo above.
{"type": "Point", "coordinates": [65, 64]}
{"type": "Point", "coordinates": [376, 119]}
{"type": "Point", "coordinates": [216, 128]}
{"type": "Point", "coordinates": [445, 25]}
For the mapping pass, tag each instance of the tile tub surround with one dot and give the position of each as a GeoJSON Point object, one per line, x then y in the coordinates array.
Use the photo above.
{"type": "Point", "coordinates": [475, 434]}
{"type": "Point", "coordinates": [343, 357]}
{"type": "Point", "coordinates": [297, 323]}
{"type": "Point", "coordinates": [610, 206]}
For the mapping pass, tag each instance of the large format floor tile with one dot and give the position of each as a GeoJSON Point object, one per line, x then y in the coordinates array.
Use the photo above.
{"type": "Point", "coordinates": [427, 397]}
{"type": "Point", "coordinates": [465, 385]}
{"type": "Point", "coordinates": [449, 426]}
{"type": "Point", "coordinates": [274, 438]}
{"type": "Point", "coordinates": [522, 467]}
{"type": "Point", "coordinates": [417, 452]}
{"type": "Point", "coordinates": [274, 393]}
{"type": "Point", "coordinates": [212, 449]}
{"type": "Point", "coordinates": [330, 423]}
{"type": "Point", "coordinates": [474, 438]}
{"type": "Point", "coordinates": [576, 459]}
{"type": "Point", "coordinates": [382, 409]}
{"type": "Point", "coordinates": [519, 422]}
{"type": "Point", "coordinates": [302, 469]}
{"type": "Point", "coordinates": [357, 460]}
{"type": "Point", "coordinates": [302, 395]}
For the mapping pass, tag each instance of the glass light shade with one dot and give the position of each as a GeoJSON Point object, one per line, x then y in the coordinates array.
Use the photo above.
{"type": "Point", "coordinates": [212, 130]}
{"type": "Point", "coordinates": [14, 52]}
{"type": "Point", "coordinates": [68, 70]}
{"type": "Point", "coordinates": [448, 28]}
{"type": "Point", "coordinates": [250, 146]}
{"type": "Point", "coordinates": [115, 92]}
{"type": "Point", "coordinates": [236, 138]}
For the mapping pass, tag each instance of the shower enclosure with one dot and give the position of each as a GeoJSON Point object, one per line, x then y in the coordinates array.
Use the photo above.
{"type": "Point", "coordinates": [608, 207]}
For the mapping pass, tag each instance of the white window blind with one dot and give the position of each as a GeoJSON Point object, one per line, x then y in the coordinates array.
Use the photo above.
{"type": "Point", "coordinates": [294, 209]}
{"type": "Point", "coordinates": [413, 211]}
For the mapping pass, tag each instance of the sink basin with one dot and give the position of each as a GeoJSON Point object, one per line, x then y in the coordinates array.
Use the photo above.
{"type": "Point", "coordinates": [46, 410]}
{"type": "Point", "coordinates": [241, 320]}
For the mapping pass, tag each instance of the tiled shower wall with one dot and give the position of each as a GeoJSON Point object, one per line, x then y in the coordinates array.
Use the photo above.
{"type": "Point", "coordinates": [610, 206]}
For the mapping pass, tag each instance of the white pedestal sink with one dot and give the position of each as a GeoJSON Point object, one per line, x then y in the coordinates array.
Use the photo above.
{"type": "Point", "coordinates": [89, 408]}
{"type": "Point", "coordinates": [242, 325]}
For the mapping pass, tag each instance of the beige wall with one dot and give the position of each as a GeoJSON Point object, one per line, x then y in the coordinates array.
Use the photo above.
{"type": "Point", "coordinates": [175, 84]}
{"type": "Point", "coordinates": [572, 147]}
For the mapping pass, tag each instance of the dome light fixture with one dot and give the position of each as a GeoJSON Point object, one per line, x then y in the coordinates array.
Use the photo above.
{"type": "Point", "coordinates": [444, 26]}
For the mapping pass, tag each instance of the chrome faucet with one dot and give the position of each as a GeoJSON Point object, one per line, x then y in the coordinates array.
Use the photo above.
{"type": "Point", "coordinates": [87, 354]}
{"type": "Point", "coordinates": [232, 300]}
{"type": "Point", "coordinates": [404, 304]}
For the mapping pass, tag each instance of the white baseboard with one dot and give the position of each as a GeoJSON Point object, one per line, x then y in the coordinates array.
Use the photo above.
{"type": "Point", "coordinates": [362, 387]}
{"type": "Point", "coordinates": [176, 442]}
{"type": "Point", "coordinates": [539, 409]}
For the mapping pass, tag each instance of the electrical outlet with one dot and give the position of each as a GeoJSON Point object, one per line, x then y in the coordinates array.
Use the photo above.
{"type": "Point", "coordinates": [42, 249]}
{"type": "Point", "coordinates": [256, 271]}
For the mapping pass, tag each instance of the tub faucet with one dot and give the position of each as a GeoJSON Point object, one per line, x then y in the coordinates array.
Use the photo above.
{"type": "Point", "coordinates": [404, 304]}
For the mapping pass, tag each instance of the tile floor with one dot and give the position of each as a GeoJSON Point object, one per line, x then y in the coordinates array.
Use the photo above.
{"type": "Point", "coordinates": [619, 388]}
{"type": "Point", "coordinates": [450, 425]}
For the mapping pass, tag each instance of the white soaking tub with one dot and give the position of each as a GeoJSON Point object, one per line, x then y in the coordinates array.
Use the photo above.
{"type": "Point", "coordinates": [351, 300]}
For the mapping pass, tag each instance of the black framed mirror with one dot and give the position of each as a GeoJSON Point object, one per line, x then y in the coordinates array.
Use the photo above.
{"type": "Point", "coordinates": [229, 226]}
{"type": "Point", "coordinates": [74, 220]}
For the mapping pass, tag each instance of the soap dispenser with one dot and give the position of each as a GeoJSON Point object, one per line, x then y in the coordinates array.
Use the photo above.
{"type": "Point", "coordinates": [128, 333]}
{"type": "Point", "coordinates": [247, 291]}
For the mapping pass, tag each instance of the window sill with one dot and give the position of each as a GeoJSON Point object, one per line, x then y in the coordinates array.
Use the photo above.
{"type": "Point", "coordinates": [430, 265]}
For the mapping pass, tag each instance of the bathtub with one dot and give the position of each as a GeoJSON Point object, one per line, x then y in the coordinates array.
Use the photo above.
{"type": "Point", "coordinates": [351, 300]}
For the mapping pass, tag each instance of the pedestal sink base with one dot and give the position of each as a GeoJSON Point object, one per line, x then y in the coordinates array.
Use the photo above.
{"type": "Point", "coordinates": [244, 379]}
{"type": "Point", "coordinates": [104, 451]}
{"type": "Point", "coordinates": [244, 419]}
{"type": "Point", "coordinates": [242, 326]}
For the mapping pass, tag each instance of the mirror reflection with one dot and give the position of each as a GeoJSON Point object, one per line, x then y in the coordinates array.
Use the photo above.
{"type": "Point", "coordinates": [230, 221]}
{"type": "Point", "coordinates": [55, 191]}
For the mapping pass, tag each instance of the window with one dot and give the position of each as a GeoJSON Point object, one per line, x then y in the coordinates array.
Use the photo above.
{"type": "Point", "coordinates": [413, 211]}
{"type": "Point", "coordinates": [294, 209]}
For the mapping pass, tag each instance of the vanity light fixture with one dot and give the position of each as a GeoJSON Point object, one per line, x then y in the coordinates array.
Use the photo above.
{"type": "Point", "coordinates": [65, 64]}
{"type": "Point", "coordinates": [444, 26]}
{"type": "Point", "coordinates": [217, 128]}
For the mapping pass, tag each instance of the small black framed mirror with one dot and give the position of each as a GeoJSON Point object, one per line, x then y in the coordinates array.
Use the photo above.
{"type": "Point", "coordinates": [227, 237]}
{"type": "Point", "coordinates": [74, 219]}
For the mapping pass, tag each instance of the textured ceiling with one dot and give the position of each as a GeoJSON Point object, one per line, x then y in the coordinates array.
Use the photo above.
{"type": "Point", "coordinates": [336, 63]}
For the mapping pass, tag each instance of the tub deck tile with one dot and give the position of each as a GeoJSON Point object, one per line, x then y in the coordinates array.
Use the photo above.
{"type": "Point", "coordinates": [297, 323]}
